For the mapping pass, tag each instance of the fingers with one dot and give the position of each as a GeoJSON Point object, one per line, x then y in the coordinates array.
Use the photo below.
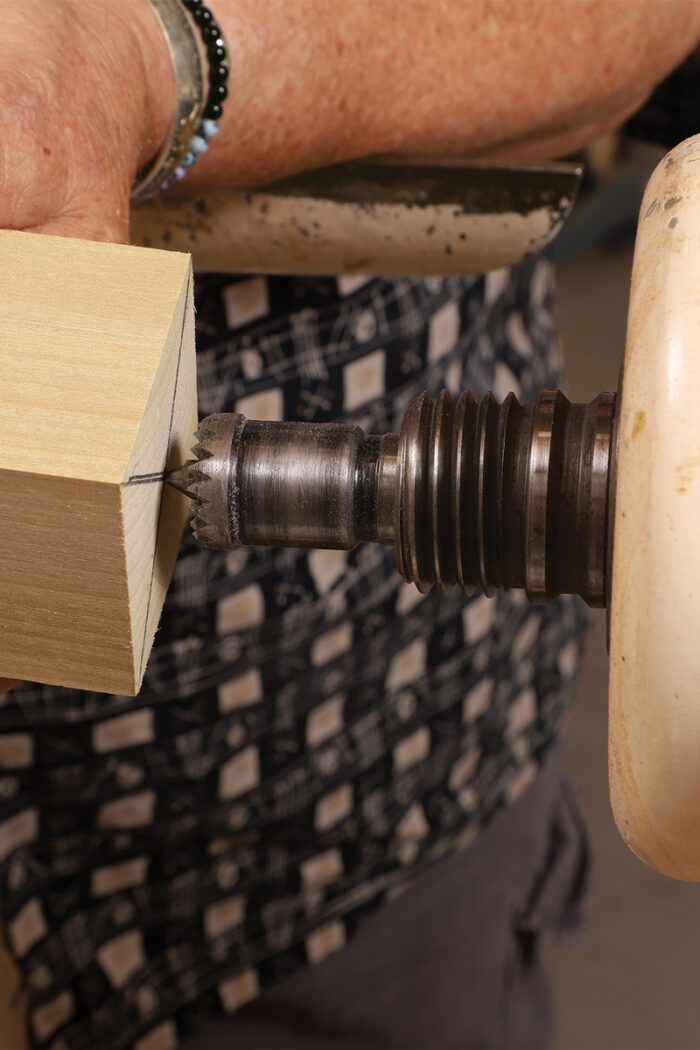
{"type": "Point", "coordinates": [7, 683]}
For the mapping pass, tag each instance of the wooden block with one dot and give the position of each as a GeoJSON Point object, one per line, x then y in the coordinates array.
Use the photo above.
{"type": "Point", "coordinates": [97, 398]}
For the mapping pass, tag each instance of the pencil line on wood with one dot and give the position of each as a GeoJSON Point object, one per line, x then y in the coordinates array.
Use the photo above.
{"type": "Point", "coordinates": [167, 449]}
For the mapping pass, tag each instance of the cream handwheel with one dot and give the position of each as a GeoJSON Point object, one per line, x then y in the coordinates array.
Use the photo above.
{"type": "Point", "coordinates": [654, 721]}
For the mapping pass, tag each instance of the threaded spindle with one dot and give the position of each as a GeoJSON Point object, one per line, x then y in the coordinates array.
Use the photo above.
{"type": "Point", "coordinates": [505, 495]}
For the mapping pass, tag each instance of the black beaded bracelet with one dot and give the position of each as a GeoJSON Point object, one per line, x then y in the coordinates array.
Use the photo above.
{"type": "Point", "coordinates": [217, 57]}
{"type": "Point", "coordinates": [197, 114]}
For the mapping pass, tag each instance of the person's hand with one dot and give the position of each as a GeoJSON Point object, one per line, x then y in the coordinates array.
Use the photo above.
{"type": "Point", "coordinates": [77, 115]}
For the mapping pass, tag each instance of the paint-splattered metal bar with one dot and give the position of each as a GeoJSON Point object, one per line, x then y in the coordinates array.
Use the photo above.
{"type": "Point", "coordinates": [377, 217]}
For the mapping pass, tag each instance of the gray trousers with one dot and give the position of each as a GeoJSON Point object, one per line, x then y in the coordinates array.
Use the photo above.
{"type": "Point", "coordinates": [454, 962]}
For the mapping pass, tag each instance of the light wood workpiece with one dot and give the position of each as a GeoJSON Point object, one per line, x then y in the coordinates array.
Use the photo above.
{"type": "Point", "coordinates": [97, 397]}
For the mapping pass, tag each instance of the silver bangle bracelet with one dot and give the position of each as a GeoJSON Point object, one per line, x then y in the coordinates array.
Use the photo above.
{"type": "Point", "coordinates": [189, 99]}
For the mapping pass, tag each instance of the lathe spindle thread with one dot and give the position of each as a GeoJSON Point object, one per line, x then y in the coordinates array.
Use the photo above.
{"type": "Point", "coordinates": [505, 495]}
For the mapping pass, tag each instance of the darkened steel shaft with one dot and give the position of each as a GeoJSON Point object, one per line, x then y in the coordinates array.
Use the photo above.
{"type": "Point", "coordinates": [506, 495]}
{"type": "Point", "coordinates": [472, 494]}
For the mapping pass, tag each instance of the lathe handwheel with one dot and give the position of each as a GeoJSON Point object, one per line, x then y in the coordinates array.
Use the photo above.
{"type": "Point", "coordinates": [654, 727]}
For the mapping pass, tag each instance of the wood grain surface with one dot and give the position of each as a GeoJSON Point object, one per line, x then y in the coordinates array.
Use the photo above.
{"type": "Point", "coordinates": [97, 397]}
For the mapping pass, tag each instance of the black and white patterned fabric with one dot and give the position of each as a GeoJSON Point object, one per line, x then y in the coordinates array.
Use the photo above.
{"type": "Point", "coordinates": [312, 731]}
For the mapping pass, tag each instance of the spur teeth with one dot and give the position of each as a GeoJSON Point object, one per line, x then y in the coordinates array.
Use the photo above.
{"type": "Point", "coordinates": [210, 425]}
{"type": "Point", "coordinates": [205, 532]}
{"type": "Point", "coordinates": [200, 508]}
{"type": "Point", "coordinates": [201, 451]}
{"type": "Point", "coordinates": [201, 503]}
{"type": "Point", "coordinates": [181, 479]}
{"type": "Point", "coordinates": [206, 480]}
{"type": "Point", "coordinates": [198, 486]}
{"type": "Point", "coordinates": [197, 475]}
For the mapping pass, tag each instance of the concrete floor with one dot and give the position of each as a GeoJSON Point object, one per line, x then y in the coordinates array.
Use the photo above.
{"type": "Point", "coordinates": [634, 981]}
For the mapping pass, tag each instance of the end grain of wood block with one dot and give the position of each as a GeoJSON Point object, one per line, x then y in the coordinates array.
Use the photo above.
{"type": "Point", "coordinates": [97, 399]}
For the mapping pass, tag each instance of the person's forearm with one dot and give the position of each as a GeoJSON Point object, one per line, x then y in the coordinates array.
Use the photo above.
{"type": "Point", "coordinates": [86, 89]}
{"type": "Point", "coordinates": [85, 97]}
{"type": "Point", "coordinates": [318, 81]}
